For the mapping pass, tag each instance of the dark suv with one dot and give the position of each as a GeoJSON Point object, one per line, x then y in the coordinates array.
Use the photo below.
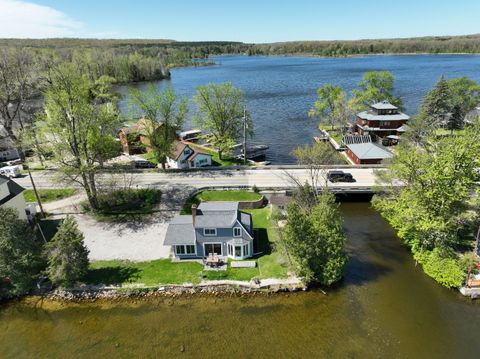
{"type": "Point", "coordinates": [340, 176]}
{"type": "Point", "coordinates": [144, 164]}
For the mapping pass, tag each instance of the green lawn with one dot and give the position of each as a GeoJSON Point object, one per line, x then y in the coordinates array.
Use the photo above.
{"type": "Point", "coordinates": [237, 196]}
{"type": "Point", "coordinates": [162, 271]}
{"type": "Point", "coordinates": [271, 264]}
{"type": "Point", "coordinates": [225, 161]}
{"type": "Point", "coordinates": [49, 195]}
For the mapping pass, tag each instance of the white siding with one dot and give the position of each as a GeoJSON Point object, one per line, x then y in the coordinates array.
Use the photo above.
{"type": "Point", "coordinates": [4, 190]}
{"type": "Point", "coordinates": [202, 160]}
{"type": "Point", "coordinates": [18, 203]}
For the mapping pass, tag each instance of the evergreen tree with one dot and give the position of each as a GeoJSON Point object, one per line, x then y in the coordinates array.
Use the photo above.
{"type": "Point", "coordinates": [437, 105]}
{"type": "Point", "coordinates": [455, 120]}
{"type": "Point", "coordinates": [20, 259]}
{"type": "Point", "coordinates": [315, 240]}
{"type": "Point", "coordinates": [67, 254]}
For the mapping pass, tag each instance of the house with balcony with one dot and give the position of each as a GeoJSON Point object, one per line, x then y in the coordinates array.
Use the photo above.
{"type": "Point", "coordinates": [213, 229]}
{"type": "Point", "coordinates": [383, 120]}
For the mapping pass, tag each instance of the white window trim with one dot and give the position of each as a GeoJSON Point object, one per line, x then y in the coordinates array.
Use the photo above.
{"type": "Point", "coordinates": [221, 247]}
{"type": "Point", "coordinates": [242, 246]}
{"type": "Point", "coordinates": [240, 229]}
{"type": "Point", "coordinates": [210, 235]}
{"type": "Point", "coordinates": [185, 250]}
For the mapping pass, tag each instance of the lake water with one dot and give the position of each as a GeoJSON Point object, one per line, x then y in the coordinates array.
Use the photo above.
{"type": "Point", "coordinates": [279, 91]}
{"type": "Point", "coordinates": [384, 308]}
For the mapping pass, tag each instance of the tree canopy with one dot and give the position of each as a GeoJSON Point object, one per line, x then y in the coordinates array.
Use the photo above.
{"type": "Point", "coordinates": [221, 110]}
{"type": "Point", "coordinates": [315, 239]}
{"type": "Point", "coordinates": [76, 126]}
{"type": "Point", "coordinates": [20, 252]}
{"type": "Point", "coordinates": [164, 114]}
{"type": "Point", "coordinates": [374, 87]}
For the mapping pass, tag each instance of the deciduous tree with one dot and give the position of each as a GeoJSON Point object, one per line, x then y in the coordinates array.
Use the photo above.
{"type": "Point", "coordinates": [165, 113]}
{"type": "Point", "coordinates": [77, 127]}
{"type": "Point", "coordinates": [316, 159]}
{"type": "Point", "coordinates": [332, 106]}
{"type": "Point", "coordinates": [375, 86]}
{"type": "Point", "coordinates": [221, 109]}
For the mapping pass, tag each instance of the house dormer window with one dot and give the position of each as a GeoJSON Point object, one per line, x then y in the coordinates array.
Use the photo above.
{"type": "Point", "coordinates": [186, 151]}
{"type": "Point", "coordinates": [210, 232]}
{"type": "Point", "coordinates": [237, 232]}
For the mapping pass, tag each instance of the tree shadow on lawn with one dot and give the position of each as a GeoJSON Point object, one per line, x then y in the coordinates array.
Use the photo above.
{"type": "Point", "coordinates": [112, 275]}
{"type": "Point", "coordinates": [261, 244]}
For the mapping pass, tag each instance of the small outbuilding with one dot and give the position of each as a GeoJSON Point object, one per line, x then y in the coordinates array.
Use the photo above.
{"type": "Point", "coordinates": [367, 153]}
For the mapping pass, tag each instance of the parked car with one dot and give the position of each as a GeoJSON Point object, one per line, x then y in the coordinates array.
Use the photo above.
{"type": "Point", "coordinates": [340, 176]}
{"type": "Point", "coordinates": [144, 164]}
{"type": "Point", "coordinates": [10, 171]}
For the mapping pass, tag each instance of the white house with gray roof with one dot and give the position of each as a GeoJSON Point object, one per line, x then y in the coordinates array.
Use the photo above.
{"type": "Point", "coordinates": [218, 228]}
{"type": "Point", "coordinates": [11, 196]}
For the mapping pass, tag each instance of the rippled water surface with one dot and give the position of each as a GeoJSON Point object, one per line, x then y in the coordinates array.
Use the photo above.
{"type": "Point", "coordinates": [384, 308]}
{"type": "Point", "coordinates": [280, 90]}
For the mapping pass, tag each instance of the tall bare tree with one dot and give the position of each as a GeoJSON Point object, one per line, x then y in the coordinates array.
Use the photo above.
{"type": "Point", "coordinates": [76, 127]}
{"type": "Point", "coordinates": [17, 84]}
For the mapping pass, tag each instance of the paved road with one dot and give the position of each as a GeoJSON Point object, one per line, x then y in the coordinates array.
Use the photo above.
{"type": "Point", "coordinates": [263, 178]}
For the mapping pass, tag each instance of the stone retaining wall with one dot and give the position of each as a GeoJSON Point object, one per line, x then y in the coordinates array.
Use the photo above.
{"type": "Point", "coordinates": [253, 204]}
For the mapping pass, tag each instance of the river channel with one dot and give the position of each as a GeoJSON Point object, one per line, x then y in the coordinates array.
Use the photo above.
{"type": "Point", "coordinates": [384, 308]}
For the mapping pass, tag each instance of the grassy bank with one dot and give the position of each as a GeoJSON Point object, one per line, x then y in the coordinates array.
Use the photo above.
{"type": "Point", "coordinates": [49, 195]}
{"type": "Point", "coordinates": [236, 196]}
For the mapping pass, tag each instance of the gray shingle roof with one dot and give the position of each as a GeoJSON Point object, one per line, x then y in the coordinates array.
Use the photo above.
{"type": "Point", "coordinates": [14, 189]}
{"type": "Point", "coordinates": [3, 179]}
{"type": "Point", "coordinates": [180, 231]}
{"type": "Point", "coordinates": [369, 151]}
{"type": "Point", "coordinates": [384, 105]}
{"type": "Point", "coordinates": [372, 116]}
{"type": "Point", "coordinates": [216, 214]}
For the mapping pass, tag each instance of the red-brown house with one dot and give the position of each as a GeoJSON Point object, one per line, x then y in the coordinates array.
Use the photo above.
{"type": "Point", "coordinates": [367, 153]}
{"type": "Point", "coordinates": [134, 139]}
{"type": "Point", "coordinates": [382, 120]}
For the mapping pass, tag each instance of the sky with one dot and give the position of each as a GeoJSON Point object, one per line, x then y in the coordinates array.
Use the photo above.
{"type": "Point", "coordinates": [252, 21]}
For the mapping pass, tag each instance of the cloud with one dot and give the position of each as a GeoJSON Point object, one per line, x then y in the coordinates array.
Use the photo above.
{"type": "Point", "coordinates": [22, 19]}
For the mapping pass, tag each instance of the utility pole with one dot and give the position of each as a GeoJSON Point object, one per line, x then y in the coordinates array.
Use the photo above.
{"type": "Point", "coordinates": [36, 192]}
{"type": "Point", "coordinates": [245, 136]}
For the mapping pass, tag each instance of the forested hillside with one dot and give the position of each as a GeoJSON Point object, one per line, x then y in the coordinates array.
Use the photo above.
{"type": "Point", "coordinates": [432, 45]}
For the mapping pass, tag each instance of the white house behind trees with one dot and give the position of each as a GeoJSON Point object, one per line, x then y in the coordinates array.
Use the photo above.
{"type": "Point", "coordinates": [11, 196]}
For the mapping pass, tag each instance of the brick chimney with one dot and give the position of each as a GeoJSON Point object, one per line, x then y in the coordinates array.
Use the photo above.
{"type": "Point", "coordinates": [194, 213]}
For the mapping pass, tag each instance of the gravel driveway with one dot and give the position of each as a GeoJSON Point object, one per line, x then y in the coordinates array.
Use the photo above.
{"type": "Point", "coordinates": [124, 241]}
{"type": "Point", "coordinates": [140, 240]}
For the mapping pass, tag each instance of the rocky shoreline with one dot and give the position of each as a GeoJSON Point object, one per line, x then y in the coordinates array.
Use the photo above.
{"type": "Point", "coordinates": [212, 288]}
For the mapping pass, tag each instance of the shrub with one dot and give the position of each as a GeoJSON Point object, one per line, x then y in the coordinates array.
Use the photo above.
{"type": "Point", "coordinates": [444, 268]}
{"type": "Point", "coordinates": [126, 200]}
